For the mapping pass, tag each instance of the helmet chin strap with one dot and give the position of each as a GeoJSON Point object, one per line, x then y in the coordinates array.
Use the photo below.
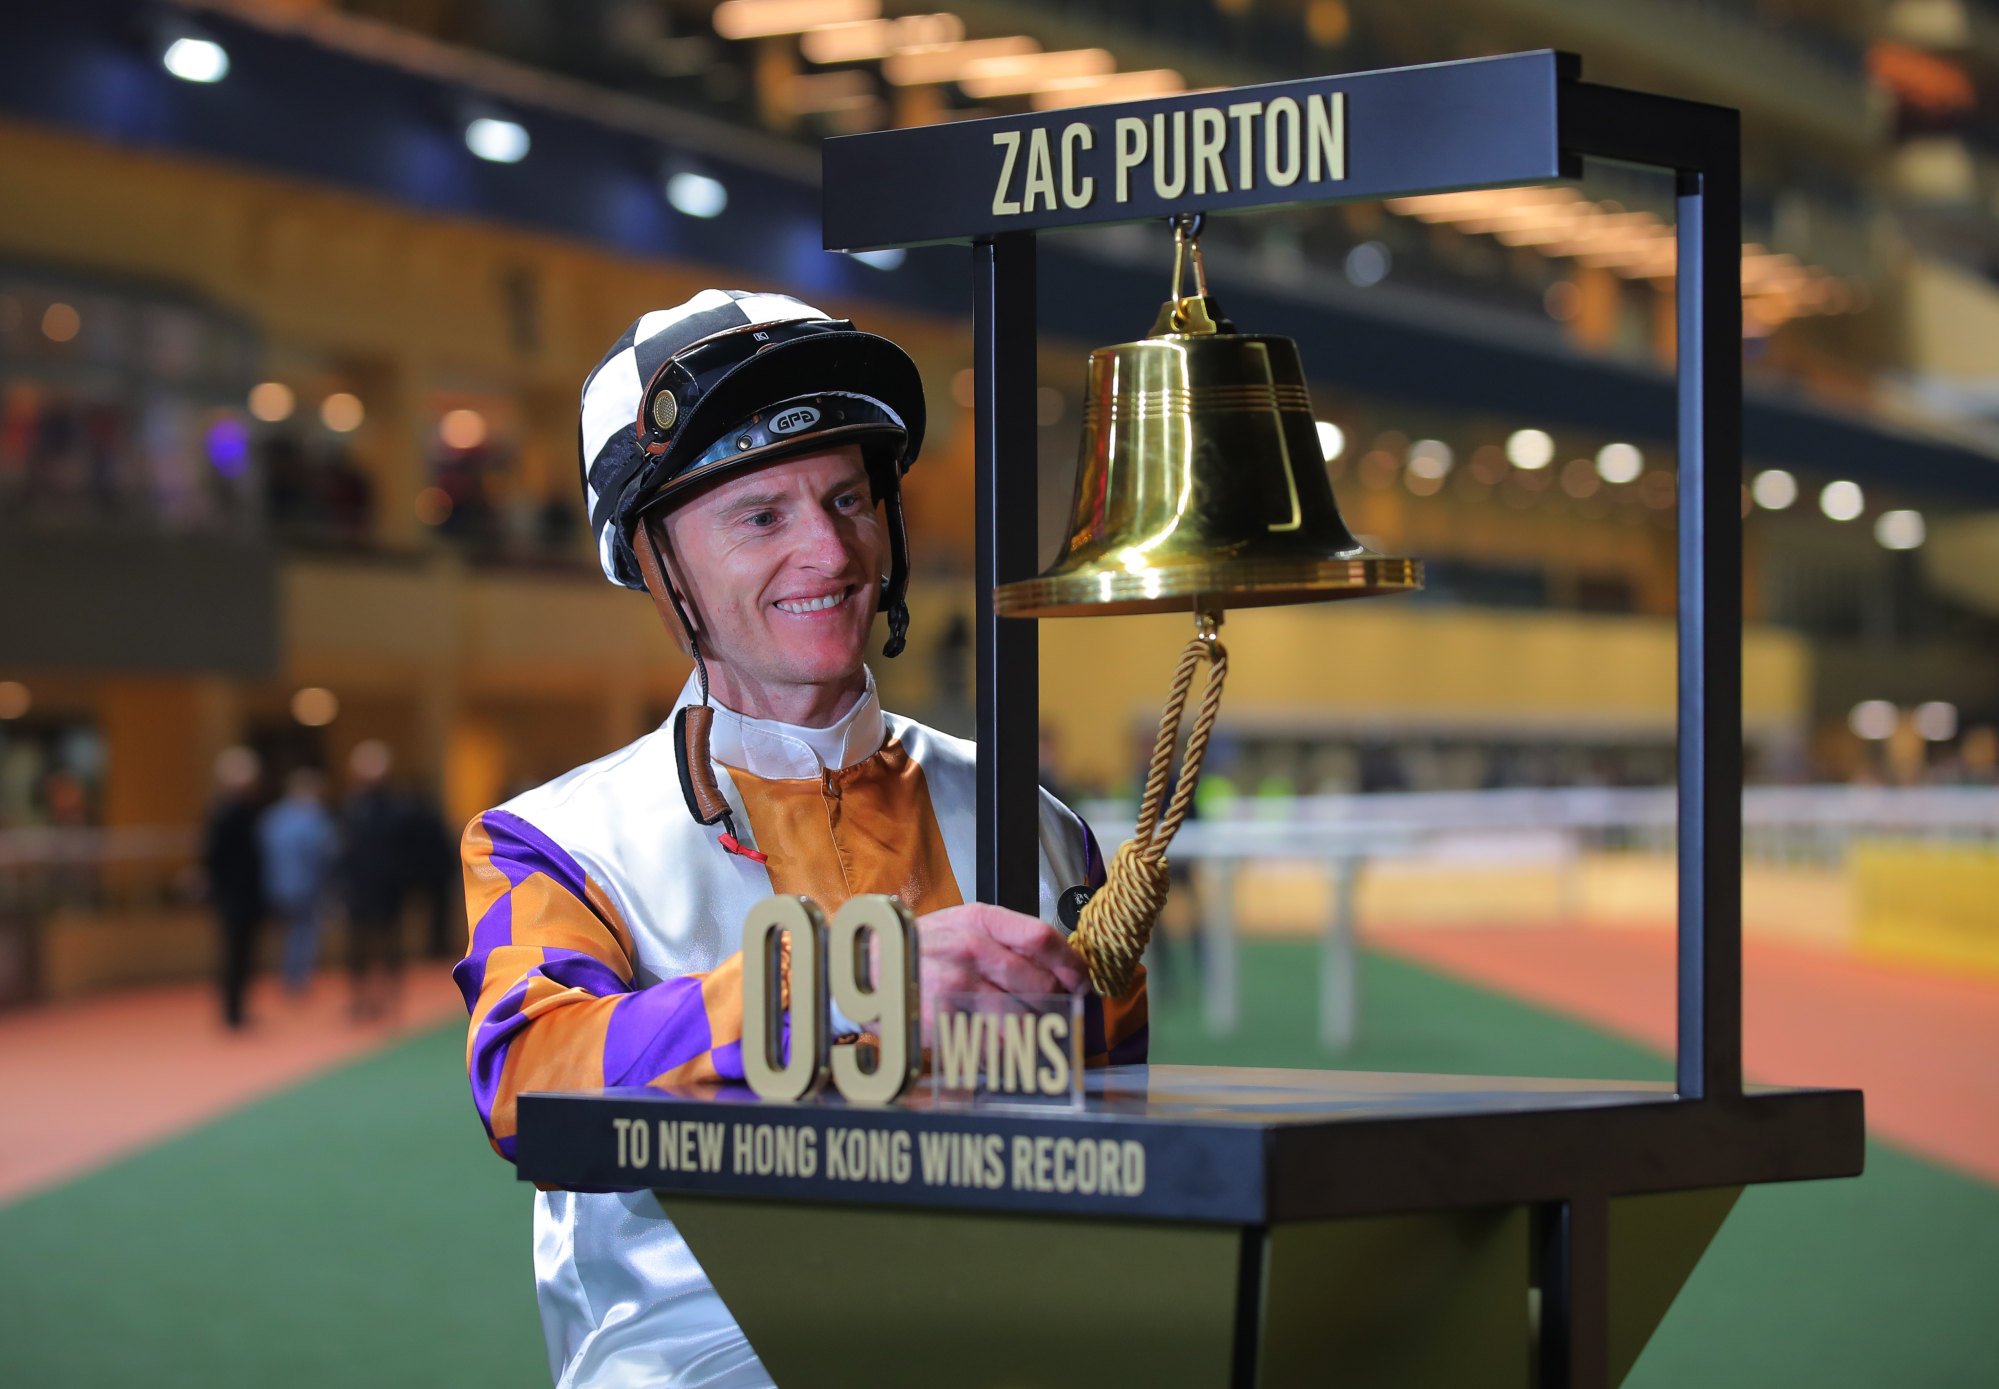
{"type": "Point", "coordinates": [895, 588]}
{"type": "Point", "coordinates": [692, 723]}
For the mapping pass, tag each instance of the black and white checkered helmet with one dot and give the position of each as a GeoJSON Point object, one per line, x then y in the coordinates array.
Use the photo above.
{"type": "Point", "coordinates": [730, 379]}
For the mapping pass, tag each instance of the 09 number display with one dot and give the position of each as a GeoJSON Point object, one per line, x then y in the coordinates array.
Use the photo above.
{"type": "Point", "coordinates": [797, 969]}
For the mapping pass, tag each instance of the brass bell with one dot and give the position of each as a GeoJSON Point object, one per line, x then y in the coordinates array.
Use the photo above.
{"type": "Point", "coordinates": [1202, 487]}
{"type": "Point", "coordinates": [1202, 483]}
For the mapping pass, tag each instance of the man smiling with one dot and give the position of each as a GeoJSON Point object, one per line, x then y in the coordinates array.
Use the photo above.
{"type": "Point", "coordinates": [742, 459]}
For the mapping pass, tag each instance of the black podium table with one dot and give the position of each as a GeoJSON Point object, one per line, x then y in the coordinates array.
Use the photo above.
{"type": "Point", "coordinates": [1199, 1225]}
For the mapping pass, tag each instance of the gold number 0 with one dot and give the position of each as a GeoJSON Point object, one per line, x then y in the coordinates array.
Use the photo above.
{"type": "Point", "coordinates": [884, 996]}
{"type": "Point", "coordinates": [772, 1075]}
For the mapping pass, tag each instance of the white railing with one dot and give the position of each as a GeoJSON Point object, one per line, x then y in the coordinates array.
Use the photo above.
{"type": "Point", "coordinates": [43, 867]}
{"type": "Point", "coordinates": [1787, 825]}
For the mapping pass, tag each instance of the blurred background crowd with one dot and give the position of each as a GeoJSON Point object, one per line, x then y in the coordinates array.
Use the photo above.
{"type": "Point", "coordinates": [296, 299]}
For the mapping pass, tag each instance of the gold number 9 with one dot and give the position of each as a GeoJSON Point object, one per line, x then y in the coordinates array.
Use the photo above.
{"type": "Point", "coordinates": [884, 994]}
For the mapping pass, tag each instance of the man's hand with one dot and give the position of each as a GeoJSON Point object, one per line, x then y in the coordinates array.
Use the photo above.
{"type": "Point", "coordinates": [983, 949]}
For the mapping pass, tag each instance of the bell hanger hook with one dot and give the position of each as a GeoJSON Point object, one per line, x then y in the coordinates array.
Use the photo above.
{"type": "Point", "coordinates": [1188, 313]}
{"type": "Point", "coordinates": [1187, 228]}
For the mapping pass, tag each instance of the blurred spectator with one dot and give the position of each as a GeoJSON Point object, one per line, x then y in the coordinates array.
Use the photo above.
{"type": "Point", "coordinates": [300, 847]}
{"type": "Point", "coordinates": [1979, 754]}
{"type": "Point", "coordinates": [233, 860]}
{"type": "Point", "coordinates": [348, 498]}
{"type": "Point", "coordinates": [1051, 765]}
{"type": "Point", "coordinates": [434, 876]}
{"type": "Point", "coordinates": [375, 872]}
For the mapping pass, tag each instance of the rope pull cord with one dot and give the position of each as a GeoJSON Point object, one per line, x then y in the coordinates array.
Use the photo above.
{"type": "Point", "coordinates": [1116, 924]}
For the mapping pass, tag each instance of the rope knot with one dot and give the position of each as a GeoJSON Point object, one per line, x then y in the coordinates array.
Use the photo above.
{"type": "Point", "coordinates": [1116, 924]}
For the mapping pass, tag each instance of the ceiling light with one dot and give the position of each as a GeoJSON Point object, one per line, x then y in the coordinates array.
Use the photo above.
{"type": "Point", "coordinates": [1116, 86]}
{"type": "Point", "coordinates": [1430, 458]}
{"type": "Point", "coordinates": [462, 429]}
{"type": "Point", "coordinates": [1935, 720]}
{"type": "Point", "coordinates": [315, 707]}
{"type": "Point", "coordinates": [497, 139]}
{"type": "Point", "coordinates": [868, 39]}
{"type": "Point", "coordinates": [1530, 449]}
{"type": "Point", "coordinates": [1619, 463]}
{"type": "Point", "coordinates": [1367, 264]}
{"type": "Point", "coordinates": [195, 58]}
{"type": "Point", "coordinates": [341, 412]}
{"type": "Point", "coordinates": [758, 19]}
{"type": "Point", "coordinates": [1015, 74]}
{"type": "Point", "coordinates": [1842, 501]}
{"type": "Point", "coordinates": [61, 322]}
{"type": "Point", "coordinates": [1900, 530]}
{"type": "Point", "coordinates": [1774, 489]}
{"type": "Point", "coordinates": [696, 195]}
{"type": "Point", "coordinates": [946, 62]}
{"type": "Point", "coordinates": [272, 401]}
{"type": "Point", "coordinates": [1873, 719]}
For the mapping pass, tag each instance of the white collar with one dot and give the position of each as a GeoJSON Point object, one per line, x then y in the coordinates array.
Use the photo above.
{"type": "Point", "coordinates": [767, 748]}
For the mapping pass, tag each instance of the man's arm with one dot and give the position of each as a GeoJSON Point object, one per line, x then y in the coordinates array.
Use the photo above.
{"type": "Point", "coordinates": [548, 981]}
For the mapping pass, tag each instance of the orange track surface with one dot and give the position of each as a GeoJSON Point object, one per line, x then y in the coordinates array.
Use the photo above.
{"type": "Point", "coordinates": [85, 1083]}
{"type": "Point", "coordinates": [1922, 1045]}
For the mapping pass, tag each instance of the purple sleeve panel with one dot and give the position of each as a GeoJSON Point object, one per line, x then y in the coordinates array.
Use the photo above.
{"type": "Point", "coordinates": [520, 849]}
{"type": "Point", "coordinates": [1094, 871]}
{"type": "Point", "coordinates": [655, 1030]}
{"type": "Point", "coordinates": [1133, 1050]}
{"type": "Point", "coordinates": [569, 972]}
{"type": "Point", "coordinates": [513, 853]}
{"type": "Point", "coordinates": [551, 962]}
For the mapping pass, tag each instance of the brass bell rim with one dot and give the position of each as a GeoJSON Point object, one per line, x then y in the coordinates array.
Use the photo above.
{"type": "Point", "coordinates": [1214, 585]}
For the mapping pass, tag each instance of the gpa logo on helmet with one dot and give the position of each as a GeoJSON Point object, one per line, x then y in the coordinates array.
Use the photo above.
{"type": "Point", "coordinates": [791, 421]}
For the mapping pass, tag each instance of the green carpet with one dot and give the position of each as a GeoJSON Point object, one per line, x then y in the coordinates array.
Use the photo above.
{"type": "Point", "coordinates": [357, 1230]}
{"type": "Point", "coordinates": [1888, 1281]}
{"type": "Point", "coordinates": [354, 1231]}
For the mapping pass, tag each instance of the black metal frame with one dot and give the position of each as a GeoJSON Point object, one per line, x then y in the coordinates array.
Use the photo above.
{"type": "Point", "coordinates": [872, 181]}
{"type": "Point", "coordinates": [1700, 145]}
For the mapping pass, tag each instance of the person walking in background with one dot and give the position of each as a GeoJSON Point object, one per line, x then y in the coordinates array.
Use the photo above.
{"type": "Point", "coordinates": [232, 858]}
{"type": "Point", "coordinates": [432, 850]}
{"type": "Point", "coordinates": [300, 848]}
{"type": "Point", "coordinates": [375, 871]}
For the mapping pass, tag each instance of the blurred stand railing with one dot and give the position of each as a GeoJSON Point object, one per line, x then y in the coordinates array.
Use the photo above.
{"type": "Point", "coordinates": [1781, 824]}
{"type": "Point", "coordinates": [51, 873]}
{"type": "Point", "coordinates": [1563, 830]}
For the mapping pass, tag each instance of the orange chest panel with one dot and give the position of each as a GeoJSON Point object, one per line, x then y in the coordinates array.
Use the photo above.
{"type": "Point", "coordinates": [866, 828]}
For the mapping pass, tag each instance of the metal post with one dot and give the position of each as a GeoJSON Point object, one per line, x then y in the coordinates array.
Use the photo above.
{"type": "Point", "coordinates": [1710, 624]}
{"type": "Point", "coordinates": [1008, 842]}
{"type": "Point", "coordinates": [1339, 961]}
{"type": "Point", "coordinates": [1218, 946]}
{"type": "Point", "coordinates": [1575, 1274]}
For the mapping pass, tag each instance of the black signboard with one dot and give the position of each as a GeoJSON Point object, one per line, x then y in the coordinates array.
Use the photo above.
{"type": "Point", "coordinates": [1482, 122]}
